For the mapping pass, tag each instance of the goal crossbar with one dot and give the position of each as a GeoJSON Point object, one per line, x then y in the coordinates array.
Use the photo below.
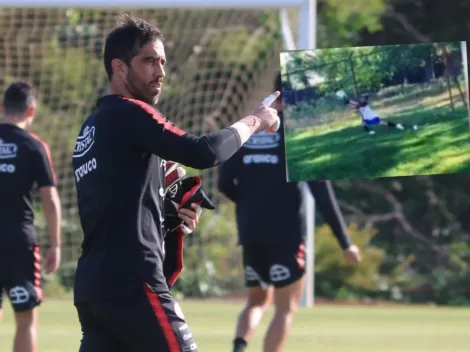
{"type": "Point", "coordinates": [153, 4]}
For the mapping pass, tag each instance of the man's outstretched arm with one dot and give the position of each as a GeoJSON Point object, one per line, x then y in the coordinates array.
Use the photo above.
{"type": "Point", "coordinates": [153, 133]}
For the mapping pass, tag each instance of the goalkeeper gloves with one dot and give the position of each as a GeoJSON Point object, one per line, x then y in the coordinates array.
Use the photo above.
{"type": "Point", "coordinates": [181, 192]}
{"type": "Point", "coordinates": [173, 174]}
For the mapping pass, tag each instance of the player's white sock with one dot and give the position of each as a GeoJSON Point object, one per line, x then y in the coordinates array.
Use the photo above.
{"type": "Point", "coordinates": [400, 126]}
{"type": "Point", "coordinates": [371, 132]}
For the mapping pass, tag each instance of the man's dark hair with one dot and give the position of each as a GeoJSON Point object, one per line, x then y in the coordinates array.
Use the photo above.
{"type": "Point", "coordinates": [126, 40]}
{"type": "Point", "coordinates": [18, 97]}
{"type": "Point", "coordinates": [278, 82]}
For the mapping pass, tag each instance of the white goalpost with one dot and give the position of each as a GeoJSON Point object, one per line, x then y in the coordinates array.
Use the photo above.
{"type": "Point", "coordinates": [307, 40]}
{"type": "Point", "coordinates": [38, 43]}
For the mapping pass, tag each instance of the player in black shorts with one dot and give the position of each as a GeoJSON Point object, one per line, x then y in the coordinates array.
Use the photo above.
{"type": "Point", "coordinates": [121, 286]}
{"type": "Point", "coordinates": [25, 162]}
{"type": "Point", "coordinates": [269, 213]}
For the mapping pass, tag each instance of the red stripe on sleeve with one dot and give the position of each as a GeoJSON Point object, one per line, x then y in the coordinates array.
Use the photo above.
{"type": "Point", "coordinates": [48, 153]}
{"type": "Point", "coordinates": [157, 116]}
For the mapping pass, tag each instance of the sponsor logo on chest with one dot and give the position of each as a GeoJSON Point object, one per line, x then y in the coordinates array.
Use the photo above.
{"type": "Point", "coordinates": [84, 142]}
{"type": "Point", "coordinates": [8, 150]}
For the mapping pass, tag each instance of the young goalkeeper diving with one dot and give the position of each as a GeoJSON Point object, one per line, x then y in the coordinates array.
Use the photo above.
{"type": "Point", "coordinates": [369, 117]}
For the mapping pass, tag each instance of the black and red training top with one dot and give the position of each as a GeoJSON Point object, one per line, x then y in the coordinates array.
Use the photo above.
{"type": "Point", "coordinates": [119, 162]}
{"type": "Point", "coordinates": [25, 163]}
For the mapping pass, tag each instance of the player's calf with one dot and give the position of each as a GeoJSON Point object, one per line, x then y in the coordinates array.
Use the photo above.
{"type": "Point", "coordinates": [249, 318]}
{"type": "Point", "coordinates": [26, 331]}
{"type": "Point", "coordinates": [286, 300]}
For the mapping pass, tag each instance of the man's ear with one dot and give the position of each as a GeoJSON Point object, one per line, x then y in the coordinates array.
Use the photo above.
{"type": "Point", "coordinates": [31, 111]}
{"type": "Point", "coordinates": [119, 67]}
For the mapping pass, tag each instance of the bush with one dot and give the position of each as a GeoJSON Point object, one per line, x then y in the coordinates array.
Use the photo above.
{"type": "Point", "coordinates": [334, 278]}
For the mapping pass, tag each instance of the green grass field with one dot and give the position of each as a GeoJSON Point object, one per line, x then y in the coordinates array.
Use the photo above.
{"type": "Point", "coordinates": [343, 150]}
{"type": "Point", "coordinates": [325, 328]}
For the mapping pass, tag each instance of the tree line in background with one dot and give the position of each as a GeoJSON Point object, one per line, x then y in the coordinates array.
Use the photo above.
{"type": "Point", "coordinates": [423, 216]}
{"type": "Point", "coordinates": [369, 70]}
{"type": "Point", "coordinates": [414, 231]}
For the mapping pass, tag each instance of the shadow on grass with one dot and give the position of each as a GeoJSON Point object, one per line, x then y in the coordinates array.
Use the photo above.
{"type": "Point", "coordinates": [441, 145]}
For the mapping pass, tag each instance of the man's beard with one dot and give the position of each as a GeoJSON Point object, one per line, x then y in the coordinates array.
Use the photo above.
{"type": "Point", "coordinates": [137, 92]}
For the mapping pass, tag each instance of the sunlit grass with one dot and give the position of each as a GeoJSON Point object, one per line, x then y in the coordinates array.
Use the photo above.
{"type": "Point", "coordinates": [343, 150]}
{"type": "Point", "coordinates": [322, 328]}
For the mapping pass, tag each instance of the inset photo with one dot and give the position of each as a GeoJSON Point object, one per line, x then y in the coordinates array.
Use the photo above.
{"type": "Point", "coordinates": [378, 111]}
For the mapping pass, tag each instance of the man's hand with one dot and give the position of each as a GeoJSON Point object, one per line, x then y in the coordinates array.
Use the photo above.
{"type": "Point", "coordinates": [181, 194]}
{"type": "Point", "coordinates": [52, 260]}
{"type": "Point", "coordinates": [267, 116]}
{"type": "Point", "coordinates": [352, 254]}
{"type": "Point", "coordinates": [190, 216]}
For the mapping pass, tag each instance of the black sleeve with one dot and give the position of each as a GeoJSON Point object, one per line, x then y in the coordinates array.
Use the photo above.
{"type": "Point", "coordinates": [153, 133]}
{"type": "Point", "coordinates": [325, 201]}
{"type": "Point", "coordinates": [227, 175]}
{"type": "Point", "coordinates": [43, 170]}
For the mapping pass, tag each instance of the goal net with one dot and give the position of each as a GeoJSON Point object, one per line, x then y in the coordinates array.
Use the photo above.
{"type": "Point", "coordinates": [221, 63]}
